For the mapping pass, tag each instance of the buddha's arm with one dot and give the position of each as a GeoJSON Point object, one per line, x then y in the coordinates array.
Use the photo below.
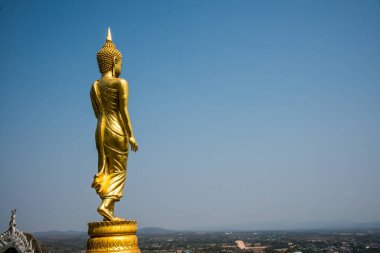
{"type": "Point", "coordinates": [93, 101]}
{"type": "Point", "coordinates": [124, 107]}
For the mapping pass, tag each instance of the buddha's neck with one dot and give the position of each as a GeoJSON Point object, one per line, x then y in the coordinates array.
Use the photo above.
{"type": "Point", "coordinates": [107, 74]}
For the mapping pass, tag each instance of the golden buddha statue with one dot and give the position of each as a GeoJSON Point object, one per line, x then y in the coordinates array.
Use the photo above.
{"type": "Point", "coordinates": [114, 134]}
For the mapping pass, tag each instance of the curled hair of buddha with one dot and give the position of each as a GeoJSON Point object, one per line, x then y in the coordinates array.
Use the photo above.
{"type": "Point", "coordinates": [107, 54]}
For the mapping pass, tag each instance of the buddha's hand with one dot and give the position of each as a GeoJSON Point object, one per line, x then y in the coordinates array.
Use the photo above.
{"type": "Point", "coordinates": [133, 142]}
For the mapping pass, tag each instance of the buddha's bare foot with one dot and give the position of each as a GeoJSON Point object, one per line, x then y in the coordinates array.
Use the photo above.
{"type": "Point", "coordinates": [104, 211]}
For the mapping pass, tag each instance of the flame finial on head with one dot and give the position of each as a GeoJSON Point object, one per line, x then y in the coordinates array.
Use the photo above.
{"type": "Point", "coordinates": [12, 222]}
{"type": "Point", "coordinates": [109, 36]}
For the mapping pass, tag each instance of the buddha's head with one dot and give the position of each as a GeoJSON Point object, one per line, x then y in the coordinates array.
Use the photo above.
{"type": "Point", "coordinates": [109, 58]}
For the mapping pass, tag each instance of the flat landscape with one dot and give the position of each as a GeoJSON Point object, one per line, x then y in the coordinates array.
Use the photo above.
{"type": "Point", "coordinates": [160, 240]}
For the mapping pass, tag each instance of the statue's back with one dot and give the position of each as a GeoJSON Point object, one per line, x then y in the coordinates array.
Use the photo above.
{"type": "Point", "coordinates": [109, 98]}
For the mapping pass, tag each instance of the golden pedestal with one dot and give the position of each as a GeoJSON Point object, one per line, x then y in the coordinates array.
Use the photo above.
{"type": "Point", "coordinates": [112, 236]}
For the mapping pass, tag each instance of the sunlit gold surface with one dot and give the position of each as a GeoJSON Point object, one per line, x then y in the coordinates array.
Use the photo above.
{"type": "Point", "coordinates": [114, 134]}
{"type": "Point", "coordinates": [112, 236]}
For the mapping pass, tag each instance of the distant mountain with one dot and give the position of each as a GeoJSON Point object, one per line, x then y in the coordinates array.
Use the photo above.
{"type": "Point", "coordinates": [281, 225]}
{"type": "Point", "coordinates": [56, 233]}
{"type": "Point", "coordinates": [336, 225]}
{"type": "Point", "coordinates": [156, 231]}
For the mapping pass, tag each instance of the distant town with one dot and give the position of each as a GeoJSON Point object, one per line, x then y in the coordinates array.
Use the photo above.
{"type": "Point", "coordinates": [293, 241]}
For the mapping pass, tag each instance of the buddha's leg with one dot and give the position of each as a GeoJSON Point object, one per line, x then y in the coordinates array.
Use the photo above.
{"type": "Point", "coordinates": [104, 209]}
{"type": "Point", "coordinates": [117, 174]}
{"type": "Point", "coordinates": [117, 180]}
{"type": "Point", "coordinates": [116, 152]}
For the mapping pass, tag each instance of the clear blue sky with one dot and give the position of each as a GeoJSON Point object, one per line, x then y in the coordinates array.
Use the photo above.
{"type": "Point", "coordinates": [245, 111]}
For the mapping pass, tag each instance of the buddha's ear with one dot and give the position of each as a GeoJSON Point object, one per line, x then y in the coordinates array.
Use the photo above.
{"type": "Point", "coordinates": [114, 61]}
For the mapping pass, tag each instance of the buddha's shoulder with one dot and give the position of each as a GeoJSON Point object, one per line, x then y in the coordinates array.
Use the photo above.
{"type": "Point", "coordinates": [120, 82]}
{"type": "Point", "coordinates": [94, 83]}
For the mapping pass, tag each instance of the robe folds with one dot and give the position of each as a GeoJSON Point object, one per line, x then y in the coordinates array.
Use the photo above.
{"type": "Point", "coordinates": [111, 142]}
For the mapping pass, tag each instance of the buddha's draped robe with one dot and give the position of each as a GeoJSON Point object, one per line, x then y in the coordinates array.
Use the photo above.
{"type": "Point", "coordinates": [111, 141]}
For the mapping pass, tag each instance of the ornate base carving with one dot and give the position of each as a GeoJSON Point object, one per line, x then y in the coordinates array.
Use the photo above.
{"type": "Point", "coordinates": [112, 236]}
